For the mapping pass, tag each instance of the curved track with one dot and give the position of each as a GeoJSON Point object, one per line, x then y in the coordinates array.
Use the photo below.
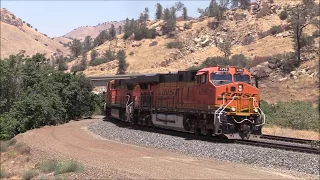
{"type": "Point", "coordinates": [276, 144]}
{"type": "Point", "coordinates": [123, 161]}
{"type": "Point", "coordinates": [287, 139]}
{"type": "Point", "coordinates": [281, 146]}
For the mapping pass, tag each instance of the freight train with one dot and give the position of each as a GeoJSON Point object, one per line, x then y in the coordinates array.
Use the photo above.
{"type": "Point", "coordinates": [218, 101]}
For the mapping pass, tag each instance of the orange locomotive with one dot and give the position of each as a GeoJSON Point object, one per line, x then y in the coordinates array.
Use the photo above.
{"type": "Point", "coordinates": [218, 101]}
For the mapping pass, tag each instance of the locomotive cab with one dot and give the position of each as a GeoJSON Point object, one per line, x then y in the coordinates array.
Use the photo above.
{"type": "Point", "coordinates": [237, 114]}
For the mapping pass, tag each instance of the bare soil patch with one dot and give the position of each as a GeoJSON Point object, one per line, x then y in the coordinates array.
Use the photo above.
{"type": "Point", "coordinates": [108, 159]}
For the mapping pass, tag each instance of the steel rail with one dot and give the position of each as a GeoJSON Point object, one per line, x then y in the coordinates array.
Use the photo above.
{"type": "Point", "coordinates": [280, 146]}
{"type": "Point", "coordinates": [287, 139]}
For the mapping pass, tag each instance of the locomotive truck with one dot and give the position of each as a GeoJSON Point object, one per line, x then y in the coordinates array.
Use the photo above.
{"type": "Point", "coordinates": [218, 101]}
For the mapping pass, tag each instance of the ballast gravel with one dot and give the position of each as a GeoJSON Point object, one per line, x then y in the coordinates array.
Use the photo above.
{"type": "Point", "coordinates": [258, 156]}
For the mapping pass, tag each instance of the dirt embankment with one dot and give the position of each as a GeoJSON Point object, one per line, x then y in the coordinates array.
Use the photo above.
{"type": "Point", "coordinates": [109, 159]}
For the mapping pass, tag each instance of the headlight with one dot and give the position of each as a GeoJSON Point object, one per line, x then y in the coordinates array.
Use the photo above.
{"type": "Point", "coordinates": [240, 88]}
{"type": "Point", "coordinates": [233, 109]}
{"type": "Point", "coordinates": [255, 110]}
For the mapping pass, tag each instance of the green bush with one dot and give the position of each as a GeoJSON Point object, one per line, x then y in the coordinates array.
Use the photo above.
{"type": "Point", "coordinates": [27, 175]}
{"type": "Point", "coordinates": [306, 40]}
{"type": "Point", "coordinates": [316, 33]}
{"type": "Point", "coordinates": [236, 60]}
{"type": "Point", "coordinates": [33, 95]}
{"type": "Point", "coordinates": [240, 60]}
{"type": "Point", "coordinates": [275, 30]}
{"type": "Point", "coordinates": [110, 55]}
{"type": "Point", "coordinates": [69, 166]}
{"type": "Point", "coordinates": [247, 40]}
{"type": "Point", "coordinates": [5, 144]}
{"type": "Point", "coordinates": [3, 174]}
{"type": "Point", "coordinates": [194, 68]}
{"type": "Point", "coordinates": [47, 166]}
{"type": "Point", "coordinates": [99, 61]}
{"type": "Point", "coordinates": [289, 63]}
{"type": "Point", "coordinates": [23, 148]}
{"type": "Point", "coordinates": [295, 115]}
{"type": "Point", "coordinates": [187, 25]}
{"type": "Point", "coordinates": [264, 34]}
{"type": "Point", "coordinates": [175, 44]}
{"type": "Point", "coordinates": [283, 15]}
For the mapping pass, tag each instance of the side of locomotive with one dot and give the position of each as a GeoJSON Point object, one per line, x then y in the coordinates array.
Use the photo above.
{"type": "Point", "coordinates": [214, 101]}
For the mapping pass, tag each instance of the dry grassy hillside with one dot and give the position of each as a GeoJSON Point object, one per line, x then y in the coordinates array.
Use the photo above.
{"type": "Point", "coordinates": [152, 55]}
{"type": "Point", "coordinates": [62, 40]}
{"type": "Point", "coordinates": [16, 36]}
{"type": "Point", "coordinates": [93, 31]}
{"type": "Point", "coordinates": [158, 58]}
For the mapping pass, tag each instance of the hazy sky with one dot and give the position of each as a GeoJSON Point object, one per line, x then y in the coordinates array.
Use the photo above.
{"type": "Point", "coordinates": [56, 18]}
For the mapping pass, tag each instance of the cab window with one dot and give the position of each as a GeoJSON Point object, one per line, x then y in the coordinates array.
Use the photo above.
{"type": "Point", "coordinates": [242, 78]}
{"type": "Point", "coordinates": [220, 79]}
{"type": "Point", "coordinates": [202, 79]}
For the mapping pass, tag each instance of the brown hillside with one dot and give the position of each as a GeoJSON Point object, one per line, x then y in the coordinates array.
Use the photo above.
{"type": "Point", "coordinates": [16, 36]}
{"type": "Point", "coordinates": [152, 55]}
{"type": "Point", "coordinates": [93, 31]}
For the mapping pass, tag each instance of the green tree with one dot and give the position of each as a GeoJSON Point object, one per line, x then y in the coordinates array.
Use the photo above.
{"type": "Point", "coordinates": [62, 65]}
{"type": "Point", "coordinates": [215, 10]}
{"type": "Point", "coordinates": [166, 14]}
{"type": "Point", "coordinates": [243, 4]}
{"type": "Point", "coordinates": [225, 46]}
{"type": "Point", "coordinates": [158, 11]}
{"type": "Point", "coordinates": [101, 38]}
{"type": "Point", "coordinates": [179, 6]}
{"type": "Point", "coordinates": [93, 55]}
{"type": "Point", "coordinates": [146, 14]}
{"type": "Point", "coordinates": [126, 27]}
{"type": "Point", "coordinates": [110, 55]}
{"type": "Point", "coordinates": [122, 67]}
{"type": "Point", "coordinates": [299, 17]}
{"type": "Point", "coordinates": [76, 47]}
{"type": "Point", "coordinates": [185, 13]}
{"type": "Point", "coordinates": [112, 32]}
{"type": "Point", "coordinates": [283, 15]}
{"type": "Point", "coordinates": [33, 94]}
{"type": "Point", "coordinates": [170, 19]}
{"type": "Point", "coordinates": [87, 44]}
{"type": "Point", "coordinates": [120, 29]}
{"type": "Point", "coordinates": [83, 63]}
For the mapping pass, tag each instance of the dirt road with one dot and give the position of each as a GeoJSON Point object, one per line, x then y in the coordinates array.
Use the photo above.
{"type": "Point", "coordinates": [110, 159]}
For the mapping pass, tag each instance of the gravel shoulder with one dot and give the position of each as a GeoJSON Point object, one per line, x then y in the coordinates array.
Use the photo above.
{"type": "Point", "coordinates": [109, 152]}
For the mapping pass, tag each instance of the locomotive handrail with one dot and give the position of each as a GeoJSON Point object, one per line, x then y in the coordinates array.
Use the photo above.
{"type": "Point", "coordinates": [223, 108]}
{"type": "Point", "coordinates": [264, 116]}
{"type": "Point", "coordinates": [219, 108]}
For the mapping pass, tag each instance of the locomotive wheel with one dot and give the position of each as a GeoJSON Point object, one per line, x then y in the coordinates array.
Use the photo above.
{"type": "Point", "coordinates": [209, 132]}
{"type": "Point", "coordinates": [197, 131]}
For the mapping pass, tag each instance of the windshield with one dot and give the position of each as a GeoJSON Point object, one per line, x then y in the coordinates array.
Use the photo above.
{"type": "Point", "coordinates": [219, 79]}
{"type": "Point", "coordinates": [241, 78]}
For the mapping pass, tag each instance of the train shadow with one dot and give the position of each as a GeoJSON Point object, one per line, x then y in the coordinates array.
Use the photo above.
{"type": "Point", "coordinates": [186, 135]}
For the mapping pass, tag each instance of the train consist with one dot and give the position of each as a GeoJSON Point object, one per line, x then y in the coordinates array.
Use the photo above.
{"type": "Point", "coordinates": [213, 101]}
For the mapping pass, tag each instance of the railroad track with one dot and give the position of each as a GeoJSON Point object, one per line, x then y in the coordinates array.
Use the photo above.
{"type": "Point", "coordinates": [191, 136]}
{"type": "Point", "coordinates": [287, 139]}
{"type": "Point", "coordinates": [280, 146]}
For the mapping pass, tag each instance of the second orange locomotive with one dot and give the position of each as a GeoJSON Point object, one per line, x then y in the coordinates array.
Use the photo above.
{"type": "Point", "coordinates": [219, 101]}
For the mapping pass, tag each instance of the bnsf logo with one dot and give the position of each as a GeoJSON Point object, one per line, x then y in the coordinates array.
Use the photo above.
{"type": "Point", "coordinates": [243, 95]}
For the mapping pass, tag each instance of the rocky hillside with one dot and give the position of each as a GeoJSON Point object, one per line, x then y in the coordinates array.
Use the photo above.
{"type": "Point", "coordinates": [18, 35]}
{"type": "Point", "coordinates": [249, 33]}
{"type": "Point", "coordinates": [93, 31]}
